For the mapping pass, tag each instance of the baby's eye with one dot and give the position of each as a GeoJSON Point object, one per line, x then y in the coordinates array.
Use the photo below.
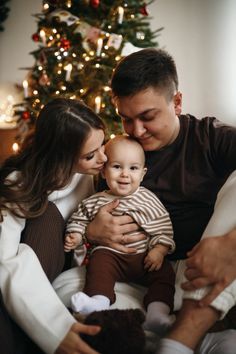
{"type": "Point", "coordinates": [133, 168]}
{"type": "Point", "coordinates": [116, 166]}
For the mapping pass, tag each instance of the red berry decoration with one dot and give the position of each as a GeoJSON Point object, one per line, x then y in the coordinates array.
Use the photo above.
{"type": "Point", "coordinates": [88, 245]}
{"type": "Point", "coordinates": [143, 10]}
{"type": "Point", "coordinates": [85, 261]}
{"type": "Point", "coordinates": [94, 3]}
{"type": "Point", "coordinates": [35, 37]}
{"type": "Point", "coordinates": [65, 43]}
{"type": "Point", "coordinates": [25, 115]}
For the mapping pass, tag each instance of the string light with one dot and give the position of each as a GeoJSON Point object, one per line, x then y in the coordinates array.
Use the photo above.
{"type": "Point", "coordinates": [97, 104]}
{"type": "Point", "coordinates": [25, 86]}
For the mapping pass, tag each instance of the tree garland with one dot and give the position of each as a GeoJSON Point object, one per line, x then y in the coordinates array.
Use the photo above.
{"type": "Point", "coordinates": [4, 10]}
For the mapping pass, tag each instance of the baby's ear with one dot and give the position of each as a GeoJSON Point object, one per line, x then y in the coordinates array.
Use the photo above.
{"type": "Point", "coordinates": [144, 172]}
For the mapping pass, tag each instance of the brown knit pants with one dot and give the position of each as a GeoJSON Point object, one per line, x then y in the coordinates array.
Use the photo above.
{"type": "Point", "coordinates": [44, 235]}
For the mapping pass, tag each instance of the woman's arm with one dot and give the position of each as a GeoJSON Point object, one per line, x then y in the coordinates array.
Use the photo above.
{"type": "Point", "coordinates": [28, 295]}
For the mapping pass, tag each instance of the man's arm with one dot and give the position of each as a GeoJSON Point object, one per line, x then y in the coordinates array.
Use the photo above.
{"type": "Point", "coordinates": [112, 231]}
{"type": "Point", "coordinates": [212, 262]}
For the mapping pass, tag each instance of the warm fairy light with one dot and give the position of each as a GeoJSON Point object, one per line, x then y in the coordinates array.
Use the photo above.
{"type": "Point", "coordinates": [106, 88]}
{"type": "Point", "coordinates": [59, 72]}
{"type": "Point", "coordinates": [106, 47]}
{"type": "Point", "coordinates": [35, 92]}
{"type": "Point", "coordinates": [57, 92]}
{"type": "Point", "coordinates": [87, 58]}
{"type": "Point", "coordinates": [56, 54]}
{"type": "Point", "coordinates": [63, 88]}
{"type": "Point", "coordinates": [15, 147]}
{"type": "Point", "coordinates": [107, 34]}
{"type": "Point", "coordinates": [132, 16]}
{"type": "Point", "coordinates": [120, 14]}
{"type": "Point", "coordinates": [60, 65]}
{"type": "Point", "coordinates": [68, 3]}
{"type": "Point", "coordinates": [42, 36]}
{"type": "Point", "coordinates": [97, 65]}
{"type": "Point", "coordinates": [68, 69]}
{"type": "Point", "coordinates": [91, 53]}
{"type": "Point", "coordinates": [51, 38]}
{"type": "Point", "coordinates": [54, 30]}
{"type": "Point", "coordinates": [40, 68]}
{"type": "Point", "coordinates": [65, 54]}
{"type": "Point", "coordinates": [97, 104]}
{"type": "Point", "coordinates": [25, 86]}
{"type": "Point", "coordinates": [59, 57]}
{"type": "Point", "coordinates": [112, 136]}
{"type": "Point", "coordinates": [62, 49]}
{"type": "Point", "coordinates": [45, 6]}
{"type": "Point", "coordinates": [99, 46]}
{"type": "Point", "coordinates": [73, 55]}
{"type": "Point", "coordinates": [81, 90]}
{"type": "Point", "coordinates": [117, 58]}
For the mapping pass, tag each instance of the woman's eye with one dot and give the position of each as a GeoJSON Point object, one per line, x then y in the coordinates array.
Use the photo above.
{"type": "Point", "coordinates": [89, 157]}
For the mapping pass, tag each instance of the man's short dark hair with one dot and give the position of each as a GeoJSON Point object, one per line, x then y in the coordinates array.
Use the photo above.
{"type": "Point", "coordinates": [146, 68]}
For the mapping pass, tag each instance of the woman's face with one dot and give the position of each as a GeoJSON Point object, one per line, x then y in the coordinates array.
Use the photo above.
{"type": "Point", "coordinates": [92, 157]}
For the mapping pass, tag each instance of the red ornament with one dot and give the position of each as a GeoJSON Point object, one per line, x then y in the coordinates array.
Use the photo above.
{"type": "Point", "coordinates": [65, 43]}
{"type": "Point", "coordinates": [94, 3]}
{"type": "Point", "coordinates": [35, 37]}
{"type": "Point", "coordinates": [25, 115]}
{"type": "Point", "coordinates": [143, 10]}
{"type": "Point", "coordinates": [88, 245]}
{"type": "Point", "coordinates": [85, 261]}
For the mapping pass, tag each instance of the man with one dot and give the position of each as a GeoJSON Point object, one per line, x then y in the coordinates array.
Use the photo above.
{"type": "Point", "coordinates": [188, 162]}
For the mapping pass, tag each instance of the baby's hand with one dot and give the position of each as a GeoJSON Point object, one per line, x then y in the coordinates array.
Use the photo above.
{"type": "Point", "coordinates": [72, 240]}
{"type": "Point", "coordinates": [154, 259]}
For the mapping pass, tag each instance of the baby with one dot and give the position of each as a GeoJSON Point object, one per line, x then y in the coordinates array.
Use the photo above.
{"type": "Point", "coordinates": [124, 171]}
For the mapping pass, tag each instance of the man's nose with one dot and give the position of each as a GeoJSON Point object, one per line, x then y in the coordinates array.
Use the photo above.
{"type": "Point", "coordinates": [138, 129]}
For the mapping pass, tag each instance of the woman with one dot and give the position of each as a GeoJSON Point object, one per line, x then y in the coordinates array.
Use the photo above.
{"type": "Point", "coordinates": [39, 188]}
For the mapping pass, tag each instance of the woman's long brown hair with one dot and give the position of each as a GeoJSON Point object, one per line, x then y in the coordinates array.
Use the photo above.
{"type": "Point", "coordinates": [47, 159]}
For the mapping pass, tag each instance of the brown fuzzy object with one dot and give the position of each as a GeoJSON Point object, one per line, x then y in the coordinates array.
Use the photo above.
{"type": "Point", "coordinates": [121, 332]}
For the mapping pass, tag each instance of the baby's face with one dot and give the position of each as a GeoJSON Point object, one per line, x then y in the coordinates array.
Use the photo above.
{"type": "Point", "coordinates": [124, 169]}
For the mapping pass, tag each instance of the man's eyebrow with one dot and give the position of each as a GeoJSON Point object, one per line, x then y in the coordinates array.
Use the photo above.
{"type": "Point", "coordinates": [139, 114]}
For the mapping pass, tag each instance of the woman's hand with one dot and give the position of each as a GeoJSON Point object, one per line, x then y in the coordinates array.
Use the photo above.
{"type": "Point", "coordinates": [111, 231]}
{"type": "Point", "coordinates": [73, 344]}
{"type": "Point", "coordinates": [212, 262]}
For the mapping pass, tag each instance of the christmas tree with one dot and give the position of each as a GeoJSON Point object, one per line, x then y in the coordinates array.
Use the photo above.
{"type": "Point", "coordinates": [79, 44]}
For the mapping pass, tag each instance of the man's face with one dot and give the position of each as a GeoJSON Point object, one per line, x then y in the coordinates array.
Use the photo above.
{"type": "Point", "coordinates": [150, 117]}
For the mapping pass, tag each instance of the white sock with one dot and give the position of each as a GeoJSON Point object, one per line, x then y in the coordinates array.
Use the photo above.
{"type": "Point", "coordinates": [157, 318]}
{"type": "Point", "coordinates": [170, 346]}
{"type": "Point", "coordinates": [80, 302]}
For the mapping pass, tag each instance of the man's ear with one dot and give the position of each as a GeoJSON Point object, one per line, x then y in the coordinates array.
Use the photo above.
{"type": "Point", "coordinates": [178, 103]}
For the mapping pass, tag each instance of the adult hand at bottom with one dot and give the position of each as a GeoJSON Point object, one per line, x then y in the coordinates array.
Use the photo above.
{"type": "Point", "coordinates": [73, 344]}
{"type": "Point", "coordinates": [212, 262]}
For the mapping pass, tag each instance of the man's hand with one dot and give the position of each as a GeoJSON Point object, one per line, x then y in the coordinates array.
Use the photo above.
{"type": "Point", "coordinates": [109, 230]}
{"type": "Point", "coordinates": [72, 343]}
{"type": "Point", "coordinates": [212, 262]}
